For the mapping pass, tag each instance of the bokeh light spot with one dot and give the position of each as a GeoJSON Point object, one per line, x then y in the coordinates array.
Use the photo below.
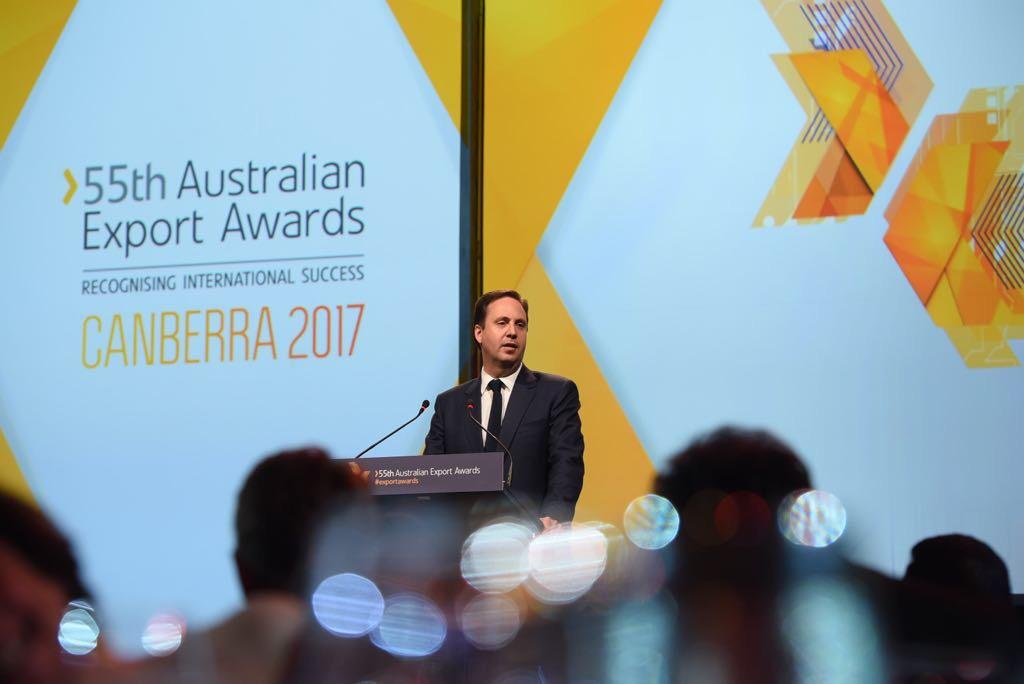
{"type": "Point", "coordinates": [565, 561]}
{"type": "Point", "coordinates": [495, 558]}
{"type": "Point", "coordinates": [490, 622]}
{"type": "Point", "coordinates": [651, 522]}
{"type": "Point", "coordinates": [163, 634]}
{"type": "Point", "coordinates": [743, 517]}
{"type": "Point", "coordinates": [699, 517]}
{"type": "Point", "coordinates": [348, 605]}
{"type": "Point", "coordinates": [79, 632]}
{"type": "Point", "coordinates": [411, 627]}
{"type": "Point", "coordinates": [812, 518]}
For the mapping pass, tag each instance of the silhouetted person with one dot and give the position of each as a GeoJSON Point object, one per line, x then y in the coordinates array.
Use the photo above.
{"type": "Point", "coordinates": [958, 618]}
{"type": "Point", "coordinates": [727, 487]}
{"type": "Point", "coordinates": [963, 565]}
{"type": "Point", "coordinates": [38, 577]}
{"type": "Point", "coordinates": [29, 533]}
{"type": "Point", "coordinates": [281, 505]}
{"type": "Point", "coordinates": [748, 599]}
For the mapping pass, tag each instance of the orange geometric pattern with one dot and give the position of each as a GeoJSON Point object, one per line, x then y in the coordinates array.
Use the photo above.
{"type": "Point", "coordinates": [836, 189]}
{"type": "Point", "coordinates": [861, 88]}
{"type": "Point", "coordinates": [956, 225]}
{"type": "Point", "coordinates": [860, 109]}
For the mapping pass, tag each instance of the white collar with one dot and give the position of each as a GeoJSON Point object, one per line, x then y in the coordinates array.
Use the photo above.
{"type": "Point", "coordinates": [509, 380]}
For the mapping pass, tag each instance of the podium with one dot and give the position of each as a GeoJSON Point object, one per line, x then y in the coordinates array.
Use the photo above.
{"type": "Point", "coordinates": [437, 474]}
{"type": "Point", "coordinates": [473, 483]}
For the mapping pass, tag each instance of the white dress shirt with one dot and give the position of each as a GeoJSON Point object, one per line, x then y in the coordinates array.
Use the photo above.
{"type": "Point", "coordinates": [486, 396]}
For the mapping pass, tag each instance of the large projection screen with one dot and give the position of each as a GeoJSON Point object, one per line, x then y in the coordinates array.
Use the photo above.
{"type": "Point", "coordinates": [227, 228]}
{"type": "Point", "coordinates": [804, 216]}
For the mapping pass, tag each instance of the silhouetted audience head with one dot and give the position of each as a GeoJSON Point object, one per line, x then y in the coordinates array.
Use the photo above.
{"type": "Point", "coordinates": [26, 531]}
{"type": "Point", "coordinates": [727, 486]}
{"type": "Point", "coordinates": [38, 577]}
{"type": "Point", "coordinates": [731, 460]}
{"type": "Point", "coordinates": [962, 564]}
{"type": "Point", "coordinates": [279, 508]}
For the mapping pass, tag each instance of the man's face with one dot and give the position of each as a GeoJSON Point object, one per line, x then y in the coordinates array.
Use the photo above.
{"type": "Point", "coordinates": [502, 337]}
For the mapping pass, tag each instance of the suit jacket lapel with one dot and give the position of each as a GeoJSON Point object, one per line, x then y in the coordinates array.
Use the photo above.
{"type": "Point", "coordinates": [518, 402]}
{"type": "Point", "coordinates": [472, 391]}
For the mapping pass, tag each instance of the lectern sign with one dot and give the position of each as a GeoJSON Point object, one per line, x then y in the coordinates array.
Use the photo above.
{"type": "Point", "coordinates": [439, 474]}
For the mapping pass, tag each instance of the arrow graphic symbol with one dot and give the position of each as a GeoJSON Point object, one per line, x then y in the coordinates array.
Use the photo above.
{"type": "Point", "coordinates": [861, 87]}
{"type": "Point", "coordinates": [72, 186]}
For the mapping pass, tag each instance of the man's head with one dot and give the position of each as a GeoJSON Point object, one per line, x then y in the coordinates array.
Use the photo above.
{"type": "Point", "coordinates": [500, 323]}
{"type": "Point", "coordinates": [728, 485]}
{"type": "Point", "coordinates": [279, 508]}
{"type": "Point", "coordinates": [26, 531]}
{"type": "Point", "coordinates": [732, 459]}
{"type": "Point", "coordinates": [38, 576]}
{"type": "Point", "coordinates": [962, 564]}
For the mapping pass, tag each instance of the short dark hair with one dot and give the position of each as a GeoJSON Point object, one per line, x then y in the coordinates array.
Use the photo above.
{"type": "Point", "coordinates": [280, 506]}
{"type": "Point", "coordinates": [480, 308]}
{"type": "Point", "coordinates": [733, 459]}
{"type": "Point", "coordinates": [30, 534]}
{"type": "Point", "coordinates": [960, 563]}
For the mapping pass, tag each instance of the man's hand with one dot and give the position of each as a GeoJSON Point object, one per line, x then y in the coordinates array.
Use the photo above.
{"type": "Point", "coordinates": [363, 475]}
{"type": "Point", "coordinates": [548, 523]}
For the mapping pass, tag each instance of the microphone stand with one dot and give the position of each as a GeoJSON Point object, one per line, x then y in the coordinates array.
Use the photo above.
{"type": "Point", "coordinates": [508, 481]}
{"type": "Point", "coordinates": [423, 407]}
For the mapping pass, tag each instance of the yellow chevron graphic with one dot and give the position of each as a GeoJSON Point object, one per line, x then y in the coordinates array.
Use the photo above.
{"type": "Point", "coordinates": [862, 88]}
{"type": "Point", "coordinates": [28, 32]}
{"type": "Point", "coordinates": [11, 479]}
{"type": "Point", "coordinates": [72, 186]}
{"type": "Point", "coordinates": [540, 115]}
{"type": "Point", "coordinates": [434, 30]}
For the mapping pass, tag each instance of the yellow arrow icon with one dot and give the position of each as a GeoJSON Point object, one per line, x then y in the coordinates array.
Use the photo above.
{"type": "Point", "coordinates": [72, 186]}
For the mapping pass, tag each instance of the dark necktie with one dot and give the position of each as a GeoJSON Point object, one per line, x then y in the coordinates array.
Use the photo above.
{"type": "Point", "coordinates": [494, 419]}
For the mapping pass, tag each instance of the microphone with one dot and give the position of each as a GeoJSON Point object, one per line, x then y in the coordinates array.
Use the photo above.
{"type": "Point", "coordinates": [423, 407]}
{"type": "Point", "coordinates": [469, 411]}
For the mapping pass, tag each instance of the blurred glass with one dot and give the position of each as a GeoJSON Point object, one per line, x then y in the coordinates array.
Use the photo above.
{"type": "Point", "coordinates": [490, 622]}
{"type": "Point", "coordinates": [523, 677]}
{"type": "Point", "coordinates": [831, 633]}
{"type": "Point", "coordinates": [743, 518]}
{"type": "Point", "coordinates": [411, 627]}
{"type": "Point", "coordinates": [79, 632]}
{"type": "Point", "coordinates": [698, 518]}
{"type": "Point", "coordinates": [644, 576]}
{"type": "Point", "coordinates": [163, 634]}
{"type": "Point", "coordinates": [348, 605]}
{"type": "Point", "coordinates": [495, 558]}
{"type": "Point", "coordinates": [812, 518]}
{"type": "Point", "coordinates": [348, 541]}
{"type": "Point", "coordinates": [565, 561]}
{"type": "Point", "coordinates": [639, 642]}
{"type": "Point", "coordinates": [651, 522]}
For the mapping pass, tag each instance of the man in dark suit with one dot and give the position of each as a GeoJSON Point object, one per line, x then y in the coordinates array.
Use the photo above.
{"type": "Point", "coordinates": [536, 415]}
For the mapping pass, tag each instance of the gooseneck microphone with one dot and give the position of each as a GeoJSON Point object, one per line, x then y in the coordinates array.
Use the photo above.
{"type": "Point", "coordinates": [469, 411]}
{"type": "Point", "coordinates": [423, 407]}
